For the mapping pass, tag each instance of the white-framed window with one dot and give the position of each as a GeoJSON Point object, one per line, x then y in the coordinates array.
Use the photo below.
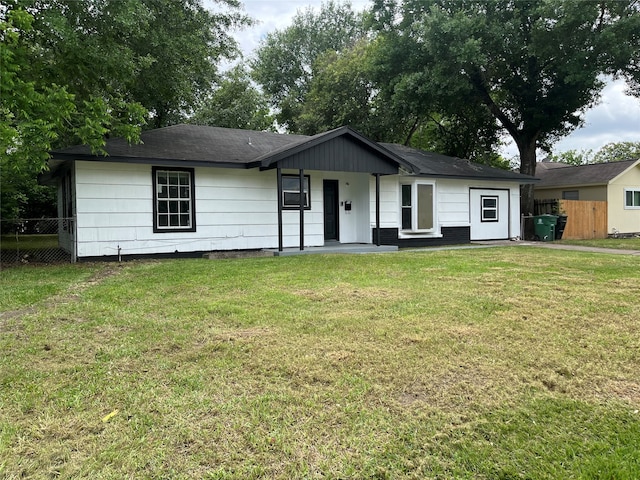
{"type": "Point", "coordinates": [291, 192]}
{"type": "Point", "coordinates": [173, 200]}
{"type": "Point", "coordinates": [632, 198]}
{"type": "Point", "coordinates": [417, 207]}
{"type": "Point", "coordinates": [489, 208]}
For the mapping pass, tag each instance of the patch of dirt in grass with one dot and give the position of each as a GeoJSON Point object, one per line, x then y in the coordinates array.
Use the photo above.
{"type": "Point", "coordinates": [625, 390]}
{"type": "Point", "coordinates": [339, 292]}
{"type": "Point", "coordinates": [244, 333]}
{"type": "Point", "coordinates": [447, 391]}
{"type": "Point", "coordinates": [71, 294]}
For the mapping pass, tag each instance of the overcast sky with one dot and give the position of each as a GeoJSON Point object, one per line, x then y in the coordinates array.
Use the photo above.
{"type": "Point", "coordinates": [615, 119]}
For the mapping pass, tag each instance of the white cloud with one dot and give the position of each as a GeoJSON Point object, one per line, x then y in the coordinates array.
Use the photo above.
{"type": "Point", "coordinates": [615, 119]}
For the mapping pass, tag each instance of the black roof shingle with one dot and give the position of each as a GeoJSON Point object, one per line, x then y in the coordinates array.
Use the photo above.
{"type": "Point", "coordinates": [204, 145]}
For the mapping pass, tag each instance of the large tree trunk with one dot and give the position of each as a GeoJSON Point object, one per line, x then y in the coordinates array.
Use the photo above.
{"type": "Point", "coordinates": [527, 149]}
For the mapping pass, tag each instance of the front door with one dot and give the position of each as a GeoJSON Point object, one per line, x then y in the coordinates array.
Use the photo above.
{"type": "Point", "coordinates": [330, 189]}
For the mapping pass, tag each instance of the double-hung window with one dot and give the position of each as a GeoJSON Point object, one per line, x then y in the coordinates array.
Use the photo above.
{"type": "Point", "coordinates": [632, 198]}
{"type": "Point", "coordinates": [173, 200]}
{"type": "Point", "coordinates": [417, 207]}
{"type": "Point", "coordinates": [291, 192]}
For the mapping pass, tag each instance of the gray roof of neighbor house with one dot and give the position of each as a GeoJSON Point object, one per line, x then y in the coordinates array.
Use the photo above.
{"type": "Point", "coordinates": [195, 145]}
{"type": "Point", "coordinates": [559, 174]}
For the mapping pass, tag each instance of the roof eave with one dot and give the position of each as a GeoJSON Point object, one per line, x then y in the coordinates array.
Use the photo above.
{"type": "Point", "coordinates": [520, 181]}
{"type": "Point", "coordinates": [633, 165]}
{"type": "Point", "coordinates": [150, 161]}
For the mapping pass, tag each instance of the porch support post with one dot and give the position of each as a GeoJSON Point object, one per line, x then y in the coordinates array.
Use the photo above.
{"type": "Point", "coordinates": [279, 176]}
{"type": "Point", "coordinates": [302, 209]}
{"type": "Point", "coordinates": [377, 209]}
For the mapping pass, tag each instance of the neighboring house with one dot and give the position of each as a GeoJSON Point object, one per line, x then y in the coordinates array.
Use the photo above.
{"type": "Point", "coordinates": [617, 183]}
{"type": "Point", "coordinates": [190, 189]}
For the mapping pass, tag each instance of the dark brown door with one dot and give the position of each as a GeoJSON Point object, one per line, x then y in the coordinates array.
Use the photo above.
{"type": "Point", "coordinates": [330, 188]}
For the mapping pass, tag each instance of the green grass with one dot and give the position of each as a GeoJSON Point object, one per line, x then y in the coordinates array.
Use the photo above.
{"type": "Point", "coordinates": [28, 242]}
{"type": "Point", "coordinates": [27, 285]}
{"type": "Point", "coordinates": [504, 363]}
{"type": "Point", "coordinates": [617, 243]}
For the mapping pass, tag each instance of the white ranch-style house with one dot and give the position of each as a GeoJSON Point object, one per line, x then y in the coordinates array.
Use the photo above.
{"type": "Point", "coordinates": [186, 190]}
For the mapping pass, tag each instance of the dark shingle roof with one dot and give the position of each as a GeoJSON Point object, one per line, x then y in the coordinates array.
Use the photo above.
{"type": "Point", "coordinates": [434, 164]}
{"type": "Point", "coordinates": [194, 143]}
{"type": "Point", "coordinates": [555, 175]}
{"type": "Point", "coordinates": [203, 145]}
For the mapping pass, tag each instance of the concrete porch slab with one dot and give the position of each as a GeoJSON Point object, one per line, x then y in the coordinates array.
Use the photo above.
{"type": "Point", "coordinates": [344, 248]}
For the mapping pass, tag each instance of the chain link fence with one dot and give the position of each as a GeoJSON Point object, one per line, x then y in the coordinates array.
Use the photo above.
{"type": "Point", "coordinates": [37, 240]}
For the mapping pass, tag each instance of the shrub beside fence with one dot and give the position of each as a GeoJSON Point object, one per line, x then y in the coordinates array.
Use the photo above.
{"type": "Point", "coordinates": [37, 240]}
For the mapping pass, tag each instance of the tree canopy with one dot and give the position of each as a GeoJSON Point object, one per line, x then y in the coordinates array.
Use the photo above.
{"type": "Point", "coordinates": [535, 66]}
{"type": "Point", "coordinates": [285, 62]}
{"type": "Point", "coordinates": [611, 152]}
{"type": "Point", "coordinates": [235, 103]}
{"type": "Point", "coordinates": [328, 69]}
{"type": "Point", "coordinates": [78, 72]}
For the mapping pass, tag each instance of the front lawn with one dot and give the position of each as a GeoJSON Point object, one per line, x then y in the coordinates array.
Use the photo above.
{"type": "Point", "coordinates": [510, 362]}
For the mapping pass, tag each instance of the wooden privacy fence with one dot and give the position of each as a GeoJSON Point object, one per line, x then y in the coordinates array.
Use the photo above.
{"type": "Point", "coordinates": [585, 219]}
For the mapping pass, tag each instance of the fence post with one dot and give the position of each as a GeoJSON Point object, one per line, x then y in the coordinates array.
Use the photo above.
{"type": "Point", "coordinates": [74, 242]}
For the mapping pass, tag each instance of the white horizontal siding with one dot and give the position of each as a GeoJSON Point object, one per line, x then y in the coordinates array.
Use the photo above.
{"type": "Point", "coordinates": [453, 203]}
{"type": "Point", "coordinates": [235, 209]}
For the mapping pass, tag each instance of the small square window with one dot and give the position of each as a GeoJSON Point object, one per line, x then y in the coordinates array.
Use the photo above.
{"type": "Point", "coordinates": [571, 195]}
{"type": "Point", "coordinates": [489, 209]}
{"type": "Point", "coordinates": [291, 192]}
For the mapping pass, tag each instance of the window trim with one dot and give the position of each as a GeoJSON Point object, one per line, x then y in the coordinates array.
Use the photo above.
{"type": "Point", "coordinates": [307, 180]}
{"type": "Point", "coordinates": [192, 200]}
{"type": "Point", "coordinates": [413, 206]}
{"type": "Point", "coordinates": [484, 209]}
{"type": "Point", "coordinates": [632, 191]}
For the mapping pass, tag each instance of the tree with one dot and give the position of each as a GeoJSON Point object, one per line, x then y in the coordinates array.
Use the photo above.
{"type": "Point", "coordinates": [611, 152]}
{"type": "Point", "coordinates": [162, 54]}
{"type": "Point", "coordinates": [536, 66]}
{"type": "Point", "coordinates": [285, 62]}
{"type": "Point", "coordinates": [78, 72]}
{"type": "Point", "coordinates": [573, 157]}
{"type": "Point", "coordinates": [617, 152]}
{"type": "Point", "coordinates": [235, 103]}
{"type": "Point", "coordinates": [35, 115]}
{"type": "Point", "coordinates": [326, 70]}
{"type": "Point", "coordinates": [183, 43]}
{"type": "Point", "coordinates": [340, 93]}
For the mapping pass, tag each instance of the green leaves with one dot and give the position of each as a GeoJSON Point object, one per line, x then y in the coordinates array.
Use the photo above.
{"type": "Point", "coordinates": [78, 72]}
{"type": "Point", "coordinates": [286, 61]}
{"type": "Point", "coordinates": [235, 103]}
{"type": "Point", "coordinates": [534, 66]}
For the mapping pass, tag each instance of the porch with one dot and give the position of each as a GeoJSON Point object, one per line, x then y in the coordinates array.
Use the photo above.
{"type": "Point", "coordinates": [334, 247]}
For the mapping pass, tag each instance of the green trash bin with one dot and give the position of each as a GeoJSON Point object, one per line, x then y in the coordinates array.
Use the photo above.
{"type": "Point", "coordinates": [545, 227]}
